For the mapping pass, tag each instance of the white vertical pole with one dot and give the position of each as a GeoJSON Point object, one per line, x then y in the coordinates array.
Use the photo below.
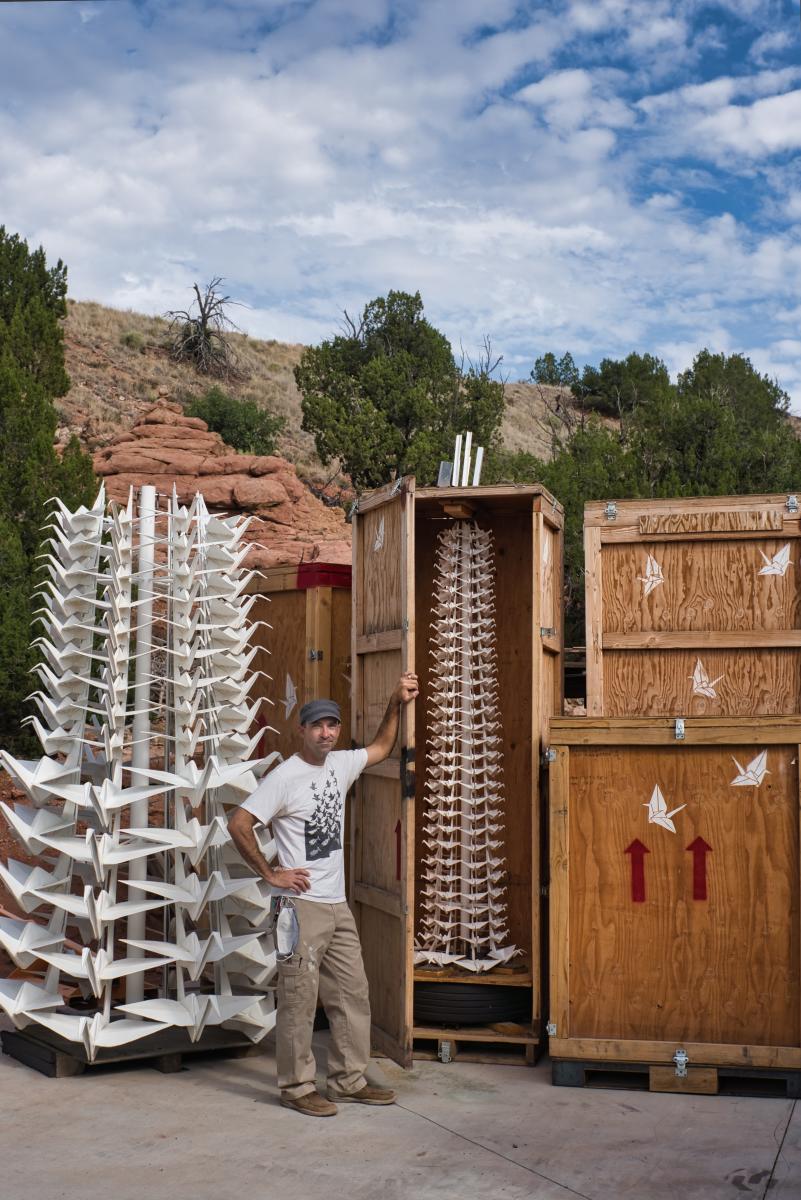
{"type": "Point", "coordinates": [478, 466]}
{"type": "Point", "coordinates": [140, 758]}
{"type": "Point", "coordinates": [457, 453]}
{"type": "Point", "coordinates": [468, 441]}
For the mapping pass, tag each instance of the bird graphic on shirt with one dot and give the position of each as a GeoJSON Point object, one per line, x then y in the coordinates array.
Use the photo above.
{"type": "Point", "coordinates": [323, 830]}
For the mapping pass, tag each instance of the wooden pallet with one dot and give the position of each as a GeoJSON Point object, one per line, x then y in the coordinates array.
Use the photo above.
{"type": "Point", "coordinates": [649, 1077]}
{"type": "Point", "coordinates": [506, 1044]}
{"type": "Point", "coordinates": [167, 1052]}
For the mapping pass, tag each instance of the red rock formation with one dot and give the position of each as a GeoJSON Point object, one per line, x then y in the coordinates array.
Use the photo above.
{"type": "Point", "coordinates": [167, 448]}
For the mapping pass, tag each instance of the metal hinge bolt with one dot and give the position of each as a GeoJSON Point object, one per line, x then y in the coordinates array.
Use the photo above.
{"type": "Point", "coordinates": [681, 1059]}
{"type": "Point", "coordinates": [444, 1052]}
{"type": "Point", "coordinates": [547, 631]}
{"type": "Point", "coordinates": [549, 755]}
{"type": "Point", "coordinates": [550, 1029]}
{"type": "Point", "coordinates": [610, 512]}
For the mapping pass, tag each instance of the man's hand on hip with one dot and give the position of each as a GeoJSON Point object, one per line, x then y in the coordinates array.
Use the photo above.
{"type": "Point", "coordinates": [290, 879]}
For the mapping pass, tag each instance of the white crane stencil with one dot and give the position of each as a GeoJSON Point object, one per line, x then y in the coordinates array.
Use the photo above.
{"type": "Point", "coordinates": [778, 564]}
{"type": "Point", "coordinates": [754, 773]}
{"type": "Point", "coordinates": [658, 811]}
{"type": "Point", "coordinates": [702, 684]}
{"type": "Point", "coordinates": [653, 575]}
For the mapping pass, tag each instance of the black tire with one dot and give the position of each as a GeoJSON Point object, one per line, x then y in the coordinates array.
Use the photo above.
{"type": "Point", "coordinates": [454, 1004]}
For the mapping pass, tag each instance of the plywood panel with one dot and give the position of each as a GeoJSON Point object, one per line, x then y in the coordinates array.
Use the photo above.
{"type": "Point", "coordinates": [671, 967]}
{"type": "Point", "coordinates": [286, 612]}
{"type": "Point", "coordinates": [382, 561]}
{"type": "Point", "coordinates": [744, 682]}
{"type": "Point", "coordinates": [707, 586]}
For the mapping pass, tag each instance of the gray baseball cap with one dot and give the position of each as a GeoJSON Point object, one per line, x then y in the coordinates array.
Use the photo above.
{"type": "Point", "coordinates": [315, 710]}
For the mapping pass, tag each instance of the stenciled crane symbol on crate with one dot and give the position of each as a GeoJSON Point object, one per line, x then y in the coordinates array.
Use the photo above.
{"type": "Point", "coordinates": [751, 775]}
{"type": "Point", "coordinates": [138, 890]}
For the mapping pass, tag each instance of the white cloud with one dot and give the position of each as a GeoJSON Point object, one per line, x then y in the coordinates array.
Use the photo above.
{"type": "Point", "coordinates": [770, 43]}
{"type": "Point", "coordinates": [535, 178]}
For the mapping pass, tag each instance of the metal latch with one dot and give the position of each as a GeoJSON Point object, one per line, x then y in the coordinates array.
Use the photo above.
{"type": "Point", "coordinates": [610, 512]}
{"type": "Point", "coordinates": [396, 487]}
{"type": "Point", "coordinates": [681, 1059]}
{"type": "Point", "coordinates": [679, 729]}
{"type": "Point", "coordinates": [549, 755]}
{"type": "Point", "coordinates": [550, 1029]}
{"type": "Point", "coordinates": [315, 656]}
{"type": "Point", "coordinates": [547, 631]}
{"type": "Point", "coordinates": [792, 504]}
{"type": "Point", "coordinates": [444, 1052]}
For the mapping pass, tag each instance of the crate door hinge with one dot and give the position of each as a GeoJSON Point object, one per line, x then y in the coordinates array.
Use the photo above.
{"type": "Point", "coordinates": [548, 756]}
{"type": "Point", "coordinates": [547, 631]}
{"type": "Point", "coordinates": [681, 1059]}
{"type": "Point", "coordinates": [792, 504]}
{"type": "Point", "coordinates": [550, 1029]}
{"type": "Point", "coordinates": [610, 512]}
{"type": "Point", "coordinates": [315, 656]}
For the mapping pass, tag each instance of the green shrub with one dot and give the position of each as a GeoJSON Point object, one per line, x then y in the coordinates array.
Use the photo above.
{"type": "Point", "coordinates": [243, 424]}
{"type": "Point", "coordinates": [133, 340]}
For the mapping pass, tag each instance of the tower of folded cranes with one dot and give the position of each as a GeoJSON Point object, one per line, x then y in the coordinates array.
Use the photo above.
{"type": "Point", "coordinates": [143, 905]}
{"type": "Point", "coordinates": [463, 902]}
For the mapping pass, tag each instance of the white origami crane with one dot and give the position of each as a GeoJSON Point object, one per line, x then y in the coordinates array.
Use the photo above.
{"type": "Point", "coordinates": [378, 544]}
{"type": "Point", "coordinates": [290, 697]}
{"type": "Point", "coordinates": [702, 684]}
{"type": "Point", "coordinates": [778, 564]}
{"type": "Point", "coordinates": [96, 1033]}
{"type": "Point", "coordinates": [658, 812]}
{"type": "Point", "coordinates": [754, 773]}
{"type": "Point", "coordinates": [653, 575]}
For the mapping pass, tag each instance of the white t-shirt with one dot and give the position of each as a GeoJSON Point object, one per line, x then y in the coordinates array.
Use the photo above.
{"type": "Point", "coordinates": [305, 806]}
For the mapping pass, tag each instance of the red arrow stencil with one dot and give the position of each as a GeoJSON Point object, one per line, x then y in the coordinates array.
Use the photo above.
{"type": "Point", "coordinates": [638, 851]}
{"type": "Point", "coordinates": [699, 850]}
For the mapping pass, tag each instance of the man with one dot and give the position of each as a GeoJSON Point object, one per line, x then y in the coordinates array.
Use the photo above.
{"type": "Point", "coordinates": [303, 801]}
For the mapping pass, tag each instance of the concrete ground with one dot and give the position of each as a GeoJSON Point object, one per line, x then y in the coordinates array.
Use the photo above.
{"type": "Point", "coordinates": [459, 1132]}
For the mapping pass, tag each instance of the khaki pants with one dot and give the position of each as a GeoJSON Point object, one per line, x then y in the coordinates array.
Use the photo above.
{"type": "Point", "coordinates": [328, 959]}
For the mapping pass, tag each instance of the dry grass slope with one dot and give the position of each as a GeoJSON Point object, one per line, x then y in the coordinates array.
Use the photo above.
{"type": "Point", "coordinates": [119, 365]}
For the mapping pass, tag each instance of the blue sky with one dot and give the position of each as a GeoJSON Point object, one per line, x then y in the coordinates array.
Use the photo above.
{"type": "Point", "coordinates": [596, 176]}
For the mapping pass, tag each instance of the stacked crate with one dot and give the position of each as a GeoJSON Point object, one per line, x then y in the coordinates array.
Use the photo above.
{"type": "Point", "coordinates": [674, 806]}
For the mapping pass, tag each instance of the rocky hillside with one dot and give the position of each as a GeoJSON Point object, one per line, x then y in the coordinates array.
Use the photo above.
{"type": "Point", "coordinates": [120, 367]}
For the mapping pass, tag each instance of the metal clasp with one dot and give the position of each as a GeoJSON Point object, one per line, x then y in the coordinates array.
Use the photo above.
{"type": "Point", "coordinates": [792, 504]}
{"type": "Point", "coordinates": [444, 1052]}
{"type": "Point", "coordinates": [550, 1029]}
{"type": "Point", "coordinates": [681, 1059]}
{"type": "Point", "coordinates": [610, 512]}
{"type": "Point", "coordinates": [679, 729]}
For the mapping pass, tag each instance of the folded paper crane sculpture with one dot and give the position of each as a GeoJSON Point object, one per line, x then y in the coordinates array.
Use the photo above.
{"type": "Point", "coordinates": [463, 902]}
{"type": "Point", "coordinates": [139, 897]}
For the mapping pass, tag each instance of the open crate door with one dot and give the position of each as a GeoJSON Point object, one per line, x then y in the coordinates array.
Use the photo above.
{"type": "Point", "coordinates": [383, 811]}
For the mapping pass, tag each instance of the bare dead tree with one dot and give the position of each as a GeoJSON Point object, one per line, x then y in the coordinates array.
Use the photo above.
{"type": "Point", "coordinates": [200, 334]}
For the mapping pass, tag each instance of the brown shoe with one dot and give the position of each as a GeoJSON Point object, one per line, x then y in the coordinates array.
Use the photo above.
{"type": "Point", "coordinates": [366, 1095]}
{"type": "Point", "coordinates": [311, 1105]}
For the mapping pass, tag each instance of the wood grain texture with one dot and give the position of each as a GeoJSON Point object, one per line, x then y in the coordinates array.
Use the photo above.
{"type": "Point", "coordinates": [381, 596]}
{"type": "Point", "coordinates": [708, 1053]}
{"type": "Point", "coordinates": [661, 731]}
{"type": "Point", "coordinates": [723, 971]}
{"type": "Point", "coordinates": [594, 620]}
{"type": "Point", "coordinates": [708, 585]}
{"type": "Point", "coordinates": [710, 521]}
{"type": "Point", "coordinates": [748, 682]}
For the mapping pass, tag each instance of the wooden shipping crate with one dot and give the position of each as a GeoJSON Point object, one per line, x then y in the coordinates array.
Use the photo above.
{"type": "Point", "coordinates": [693, 607]}
{"type": "Point", "coordinates": [674, 914]}
{"type": "Point", "coordinates": [307, 648]}
{"type": "Point", "coordinates": [394, 545]}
